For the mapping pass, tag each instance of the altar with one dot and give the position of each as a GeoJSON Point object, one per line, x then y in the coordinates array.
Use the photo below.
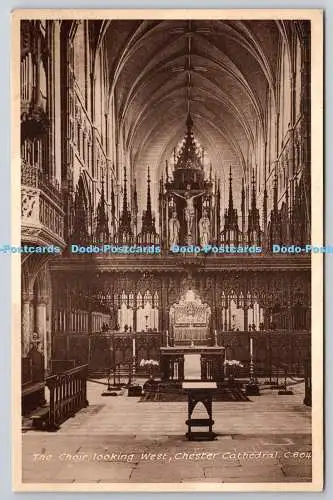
{"type": "Point", "coordinates": [172, 363]}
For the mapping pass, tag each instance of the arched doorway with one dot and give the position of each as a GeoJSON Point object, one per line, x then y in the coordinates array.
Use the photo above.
{"type": "Point", "coordinates": [189, 320]}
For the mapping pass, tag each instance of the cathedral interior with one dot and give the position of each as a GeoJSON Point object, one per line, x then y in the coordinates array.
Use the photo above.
{"type": "Point", "coordinates": [149, 134]}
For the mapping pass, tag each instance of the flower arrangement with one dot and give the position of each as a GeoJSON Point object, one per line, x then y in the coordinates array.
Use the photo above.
{"type": "Point", "coordinates": [149, 363]}
{"type": "Point", "coordinates": [233, 362]}
{"type": "Point", "coordinates": [231, 367]}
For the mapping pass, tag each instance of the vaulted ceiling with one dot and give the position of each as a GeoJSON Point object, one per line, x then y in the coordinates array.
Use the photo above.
{"type": "Point", "coordinates": [218, 70]}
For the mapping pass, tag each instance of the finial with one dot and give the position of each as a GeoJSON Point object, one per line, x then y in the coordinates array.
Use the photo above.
{"type": "Point", "coordinates": [243, 198]}
{"type": "Point", "coordinates": [254, 203]}
{"type": "Point", "coordinates": [275, 192]}
{"type": "Point", "coordinates": [231, 201]}
{"type": "Point", "coordinates": [135, 196]}
{"type": "Point", "coordinates": [166, 171]}
{"type": "Point", "coordinates": [148, 195]}
{"type": "Point", "coordinates": [125, 192]}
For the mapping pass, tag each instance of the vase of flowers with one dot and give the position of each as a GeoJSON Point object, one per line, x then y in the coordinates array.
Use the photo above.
{"type": "Point", "coordinates": [231, 367]}
{"type": "Point", "coordinates": [151, 366]}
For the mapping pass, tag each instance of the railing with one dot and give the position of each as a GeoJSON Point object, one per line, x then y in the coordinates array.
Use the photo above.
{"type": "Point", "coordinates": [33, 176]}
{"type": "Point", "coordinates": [39, 211]}
{"type": "Point", "coordinates": [68, 395]}
{"type": "Point", "coordinates": [41, 203]}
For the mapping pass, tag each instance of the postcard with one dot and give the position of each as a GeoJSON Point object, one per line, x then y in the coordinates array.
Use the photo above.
{"type": "Point", "coordinates": [167, 250]}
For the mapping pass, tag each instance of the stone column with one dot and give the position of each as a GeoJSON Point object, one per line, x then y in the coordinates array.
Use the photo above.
{"type": "Point", "coordinates": [26, 323]}
{"type": "Point", "coordinates": [42, 329]}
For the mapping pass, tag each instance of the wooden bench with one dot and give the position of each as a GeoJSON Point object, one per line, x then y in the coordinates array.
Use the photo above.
{"type": "Point", "coordinates": [32, 396]}
{"type": "Point", "coordinates": [40, 418]}
{"type": "Point", "coordinates": [31, 388]}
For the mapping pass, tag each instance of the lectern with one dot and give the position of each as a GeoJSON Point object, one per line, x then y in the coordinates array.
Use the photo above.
{"type": "Point", "coordinates": [200, 392]}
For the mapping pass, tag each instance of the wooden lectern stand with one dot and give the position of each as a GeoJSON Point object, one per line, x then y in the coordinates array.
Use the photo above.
{"type": "Point", "coordinates": [200, 392]}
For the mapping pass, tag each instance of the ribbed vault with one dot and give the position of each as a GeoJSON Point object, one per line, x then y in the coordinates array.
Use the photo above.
{"type": "Point", "coordinates": [219, 70]}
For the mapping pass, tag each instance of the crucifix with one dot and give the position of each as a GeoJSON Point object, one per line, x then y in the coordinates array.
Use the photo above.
{"type": "Point", "coordinates": [189, 210]}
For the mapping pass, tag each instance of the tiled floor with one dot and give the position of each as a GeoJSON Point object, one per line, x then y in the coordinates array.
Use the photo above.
{"type": "Point", "coordinates": [119, 439]}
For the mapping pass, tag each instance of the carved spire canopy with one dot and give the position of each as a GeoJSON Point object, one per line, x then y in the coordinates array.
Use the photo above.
{"type": "Point", "coordinates": [148, 211]}
{"type": "Point", "coordinates": [148, 233]}
{"type": "Point", "coordinates": [166, 171]}
{"type": "Point", "coordinates": [148, 222]}
{"type": "Point", "coordinates": [275, 193]}
{"type": "Point", "coordinates": [254, 230]}
{"type": "Point", "coordinates": [113, 204]}
{"type": "Point", "coordinates": [230, 217]}
{"type": "Point", "coordinates": [188, 157]}
{"type": "Point", "coordinates": [80, 231]}
{"type": "Point", "coordinates": [243, 197]}
{"type": "Point", "coordinates": [102, 226]}
{"type": "Point", "coordinates": [231, 201]}
{"type": "Point", "coordinates": [135, 198]}
{"type": "Point", "coordinates": [253, 201]}
{"type": "Point", "coordinates": [125, 209]}
{"type": "Point", "coordinates": [125, 233]}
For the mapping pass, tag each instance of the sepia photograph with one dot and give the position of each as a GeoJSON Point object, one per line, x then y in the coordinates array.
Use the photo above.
{"type": "Point", "coordinates": [167, 247]}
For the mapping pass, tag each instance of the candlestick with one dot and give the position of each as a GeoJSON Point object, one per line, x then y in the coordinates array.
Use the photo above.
{"type": "Point", "coordinates": [167, 338]}
{"type": "Point", "coordinates": [252, 388]}
{"type": "Point", "coordinates": [215, 337]}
